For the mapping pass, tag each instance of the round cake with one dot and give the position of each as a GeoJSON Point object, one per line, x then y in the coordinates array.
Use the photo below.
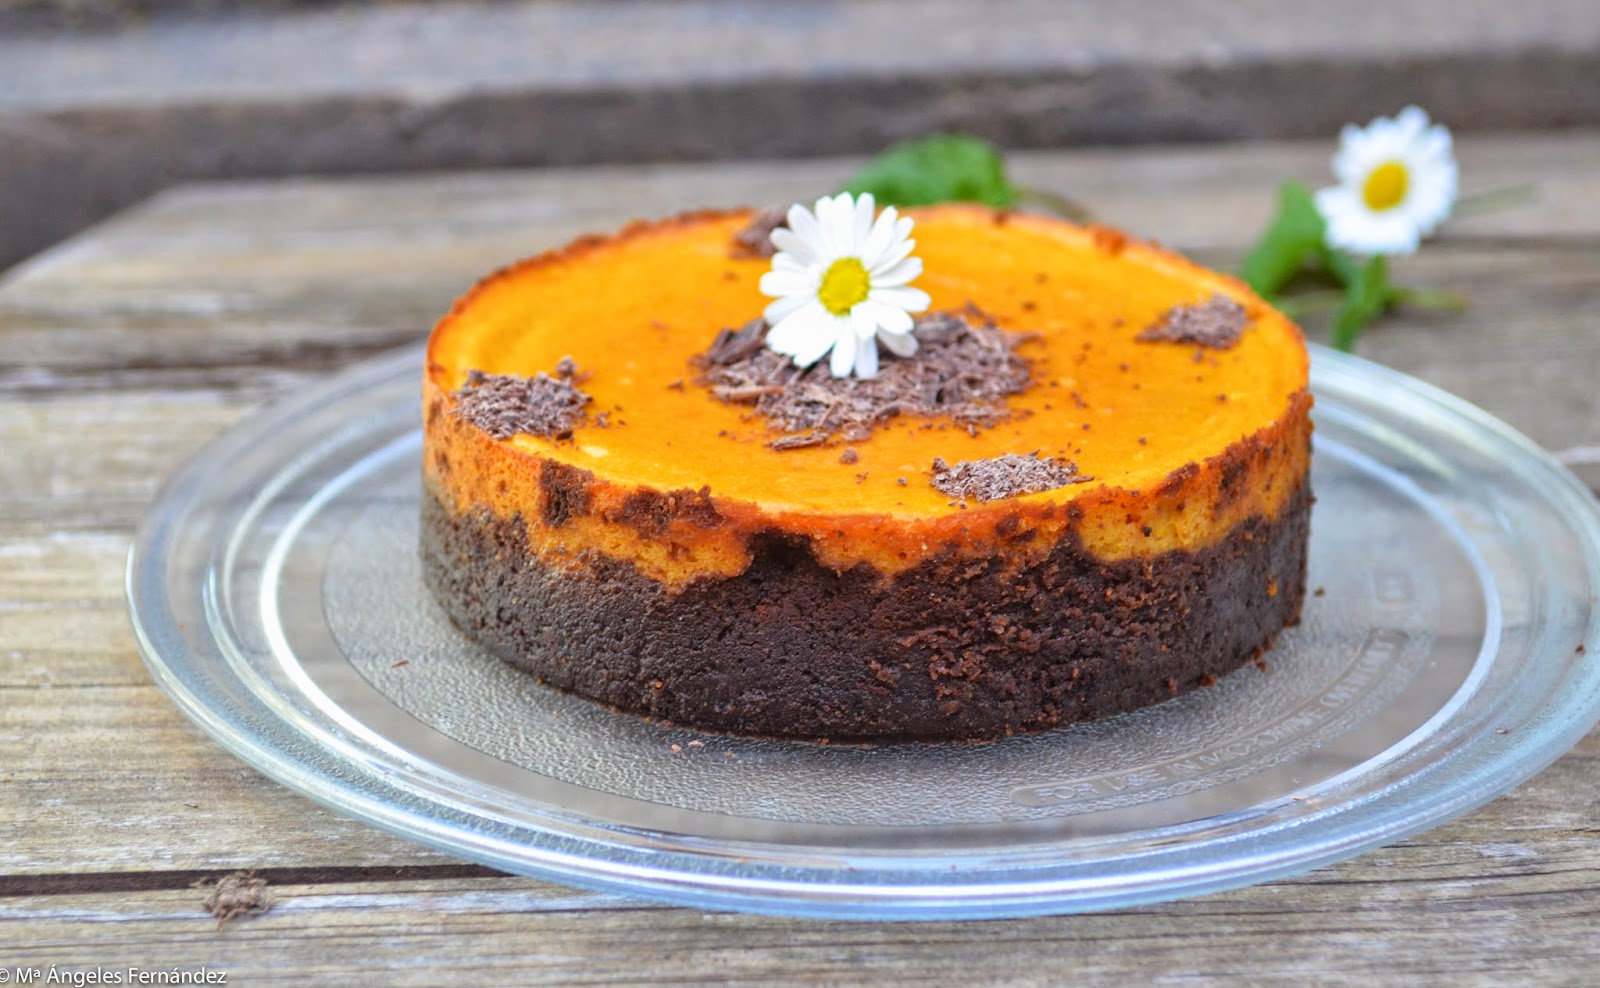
{"type": "Point", "coordinates": [1085, 492]}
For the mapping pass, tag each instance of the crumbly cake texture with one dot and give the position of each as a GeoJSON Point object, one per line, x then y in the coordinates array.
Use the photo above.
{"type": "Point", "coordinates": [952, 649]}
{"type": "Point", "coordinates": [702, 562]}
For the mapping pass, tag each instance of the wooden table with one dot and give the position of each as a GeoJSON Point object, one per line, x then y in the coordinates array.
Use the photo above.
{"type": "Point", "coordinates": [127, 348]}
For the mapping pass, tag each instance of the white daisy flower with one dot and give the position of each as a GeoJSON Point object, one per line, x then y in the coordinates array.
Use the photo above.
{"type": "Point", "coordinates": [1397, 182]}
{"type": "Point", "coordinates": [841, 280]}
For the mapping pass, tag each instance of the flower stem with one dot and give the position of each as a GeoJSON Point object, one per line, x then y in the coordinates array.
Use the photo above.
{"type": "Point", "coordinates": [1488, 202]}
{"type": "Point", "coordinates": [1424, 298]}
{"type": "Point", "coordinates": [1365, 299]}
{"type": "Point", "coordinates": [1060, 205]}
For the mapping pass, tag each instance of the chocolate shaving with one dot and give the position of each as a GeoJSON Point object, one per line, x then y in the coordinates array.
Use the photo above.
{"type": "Point", "coordinates": [963, 369]}
{"type": "Point", "coordinates": [734, 345]}
{"type": "Point", "coordinates": [799, 440]}
{"type": "Point", "coordinates": [1003, 476]}
{"type": "Point", "coordinates": [504, 405]}
{"type": "Point", "coordinates": [1216, 323]}
{"type": "Point", "coordinates": [755, 240]}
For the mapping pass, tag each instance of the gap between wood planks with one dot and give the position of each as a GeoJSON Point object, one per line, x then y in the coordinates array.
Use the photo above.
{"type": "Point", "coordinates": [177, 880]}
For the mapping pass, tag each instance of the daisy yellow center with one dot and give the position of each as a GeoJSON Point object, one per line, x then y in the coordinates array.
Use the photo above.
{"type": "Point", "coordinates": [1385, 187]}
{"type": "Point", "coordinates": [843, 285]}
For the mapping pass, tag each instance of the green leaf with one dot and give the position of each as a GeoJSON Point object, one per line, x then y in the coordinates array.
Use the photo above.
{"type": "Point", "coordinates": [1365, 298]}
{"type": "Point", "coordinates": [941, 168]}
{"type": "Point", "coordinates": [1344, 268]}
{"type": "Point", "coordinates": [1294, 233]}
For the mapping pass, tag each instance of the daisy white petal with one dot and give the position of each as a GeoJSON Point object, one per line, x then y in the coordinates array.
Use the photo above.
{"type": "Point", "coordinates": [1392, 235]}
{"type": "Point", "coordinates": [817, 346]}
{"type": "Point", "coordinates": [793, 334]}
{"type": "Point", "coordinates": [1331, 200]}
{"type": "Point", "coordinates": [780, 309]}
{"type": "Point", "coordinates": [792, 247]}
{"type": "Point", "coordinates": [867, 356]}
{"type": "Point", "coordinates": [861, 325]}
{"type": "Point", "coordinates": [906, 271]}
{"type": "Point", "coordinates": [866, 209]}
{"type": "Point", "coordinates": [909, 299]}
{"type": "Point", "coordinates": [1434, 143]}
{"type": "Point", "coordinates": [1383, 133]}
{"type": "Point", "coordinates": [1351, 161]}
{"type": "Point", "coordinates": [879, 239]}
{"type": "Point", "coordinates": [835, 215]}
{"type": "Point", "coordinates": [885, 318]}
{"type": "Point", "coordinates": [1435, 190]}
{"type": "Point", "coordinates": [781, 283]}
{"type": "Point", "coordinates": [815, 350]}
{"type": "Point", "coordinates": [785, 261]}
{"type": "Point", "coordinates": [807, 320]}
{"type": "Point", "coordinates": [1411, 121]}
{"type": "Point", "coordinates": [898, 251]}
{"type": "Point", "coordinates": [894, 256]}
{"type": "Point", "coordinates": [806, 228]}
{"type": "Point", "coordinates": [899, 344]}
{"type": "Point", "coordinates": [843, 360]}
{"type": "Point", "coordinates": [1351, 227]}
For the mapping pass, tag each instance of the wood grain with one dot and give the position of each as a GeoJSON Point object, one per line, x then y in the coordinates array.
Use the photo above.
{"type": "Point", "coordinates": [1408, 917]}
{"type": "Point", "coordinates": [123, 351]}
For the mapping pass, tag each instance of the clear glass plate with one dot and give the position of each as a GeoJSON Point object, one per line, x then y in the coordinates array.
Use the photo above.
{"type": "Point", "coordinates": [276, 596]}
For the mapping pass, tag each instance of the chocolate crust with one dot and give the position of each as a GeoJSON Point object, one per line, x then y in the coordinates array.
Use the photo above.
{"type": "Point", "coordinates": [952, 648]}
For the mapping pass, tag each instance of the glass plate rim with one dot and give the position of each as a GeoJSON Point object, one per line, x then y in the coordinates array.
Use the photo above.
{"type": "Point", "coordinates": [711, 882]}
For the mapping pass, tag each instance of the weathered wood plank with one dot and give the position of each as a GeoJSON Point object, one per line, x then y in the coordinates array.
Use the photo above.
{"type": "Point", "coordinates": [201, 249]}
{"type": "Point", "coordinates": [221, 236]}
{"type": "Point", "coordinates": [95, 461]}
{"type": "Point", "coordinates": [66, 622]}
{"type": "Point", "coordinates": [111, 778]}
{"type": "Point", "coordinates": [68, 808]}
{"type": "Point", "coordinates": [1407, 914]}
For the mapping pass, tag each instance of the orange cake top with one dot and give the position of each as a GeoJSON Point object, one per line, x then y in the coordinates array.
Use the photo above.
{"type": "Point", "coordinates": [1148, 421]}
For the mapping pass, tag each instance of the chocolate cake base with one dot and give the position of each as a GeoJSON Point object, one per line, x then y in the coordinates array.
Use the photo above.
{"type": "Point", "coordinates": [950, 649]}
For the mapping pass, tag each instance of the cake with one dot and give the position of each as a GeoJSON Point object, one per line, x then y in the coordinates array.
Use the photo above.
{"type": "Point", "coordinates": [1086, 493]}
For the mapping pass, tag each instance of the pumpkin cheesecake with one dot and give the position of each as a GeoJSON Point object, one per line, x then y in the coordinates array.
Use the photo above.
{"type": "Point", "coordinates": [1084, 492]}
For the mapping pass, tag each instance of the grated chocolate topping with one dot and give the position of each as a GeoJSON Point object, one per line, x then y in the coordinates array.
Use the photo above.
{"type": "Point", "coordinates": [1217, 323]}
{"type": "Point", "coordinates": [755, 240]}
{"type": "Point", "coordinates": [504, 405]}
{"type": "Point", "coordinates": [1003, 476]}
{"type": "Point", "coordinates": [963, 369]}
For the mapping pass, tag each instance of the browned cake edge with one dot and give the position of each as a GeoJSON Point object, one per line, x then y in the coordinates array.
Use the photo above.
{"type": "Point", "coordinates": [952, 648]}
